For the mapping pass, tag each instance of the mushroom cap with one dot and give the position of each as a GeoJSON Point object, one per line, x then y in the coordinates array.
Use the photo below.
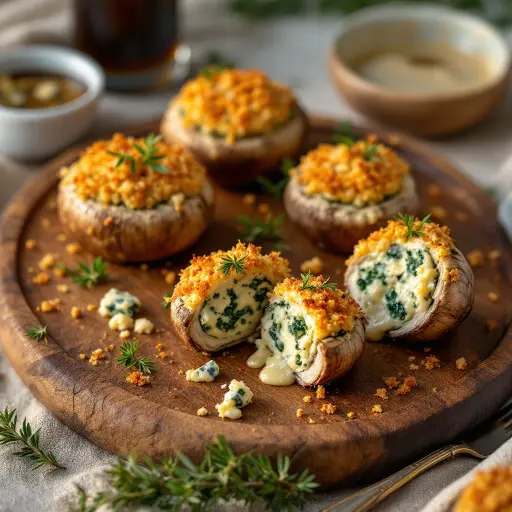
{"type": "Point", "coordinates": [241, 162]}
{"type": "Point", "coordinates": [452, 300]}
{"type": "Point", "coordinates": [334, 357]}
{"type": "Point", "coordinates": [338, 227]}
{"type": "Point", "coordinates": [134, 235]}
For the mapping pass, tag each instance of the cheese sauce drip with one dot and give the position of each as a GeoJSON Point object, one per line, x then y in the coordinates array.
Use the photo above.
{"type": "Point", "coordinates": [393, 286]}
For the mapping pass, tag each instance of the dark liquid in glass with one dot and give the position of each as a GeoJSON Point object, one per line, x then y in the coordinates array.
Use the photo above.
{"type": "Point", "coordinates": [129, 38]}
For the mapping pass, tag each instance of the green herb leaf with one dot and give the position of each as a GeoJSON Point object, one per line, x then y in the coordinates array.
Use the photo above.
{"type": "Point", "coordinates": [27, 438]}
{"type": "Point", "coordinates": [276, 188]}
{"type": "Point", "coordinates": [129, 359]}
{"type": "Point", "coordinates": [38, 333]}
{"type": "Point", "coordinates": [88, 276]}
{"type": "Point", "coordinates": [344, 134]}
{"type": "Point", "coordinates": [328, 285]}
{"type": "Point", "coordinates": [177, 483]}
{"type": "Point", "coordinates": [305, 281]}
{"type": "Point", "coordinates": [409, 220]}
{"type": "Point", "coordinates": [261, 230]}
{"type": "Point", "coordinates": [166, 302]}
{"type": "Point", "coordinates": [371, 153]}
{"type": "Point", "coordinates": [232, 262]}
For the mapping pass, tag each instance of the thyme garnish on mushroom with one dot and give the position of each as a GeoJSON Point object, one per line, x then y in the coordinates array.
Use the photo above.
{"type": "Point", "coordinates": [28, 438]}
{"type": "Point", "coordinates": [166, 302]}
{"type": "Point", "coordinates": [262, 230]}
{"type": "Point", "coordinates": [343, 134]}
{"type": "Point", "coordinates": [325, 285]}
{"type": "Point", "coordinates": [129, 359]}
{"type": "Point", "coordinates": [179, 484]}
{"type": "Point", "coordinates": [38, 333]}
{"type": "Point", "coordinates": [149, 155]}
{"type": "Point", "coordinates": [408, 221]}
{"type": "Point", "coordinates": [232, 262]}
{"type": "Point", "coordinates": [276, 188]}
{"type": "Point", "coordinates": [88, 276]}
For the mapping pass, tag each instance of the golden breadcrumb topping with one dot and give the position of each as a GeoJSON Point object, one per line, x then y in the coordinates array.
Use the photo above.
{"type": "Point", "coordinates": [234, 103]}
{"type": "Point", "coordinates": [96, 175]}
{"type": "Point", "coordinates": [436, 238]}
{"type": "Point", "coordinates": [331, 309]}
{"type": "Point", "coordinates": [361, 174]}
{"type": "Point", "coordinates": [204, 273]}
{"type": "Point", "coordinates": [489, 491]}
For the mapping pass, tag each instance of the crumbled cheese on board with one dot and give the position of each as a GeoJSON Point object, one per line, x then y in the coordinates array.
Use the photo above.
{"type": "Point", "coordinates": [143, 326]}
{"type": "Point", "coordinates": [205, 373]}
{"type": "Point", "coordinates": [115, 301]}
{"type": "Point", "coordinates": [238, 396]}
{"type": "Point", "coordinates": [120, 322]}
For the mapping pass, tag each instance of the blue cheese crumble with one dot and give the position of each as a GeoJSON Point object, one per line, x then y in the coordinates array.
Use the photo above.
{"type": "Point", "coordinates": [239, 395]}
{"type": "Point", "coordinates": [115, 301]}
{"type": "Point", "coordinates": [205, 373]}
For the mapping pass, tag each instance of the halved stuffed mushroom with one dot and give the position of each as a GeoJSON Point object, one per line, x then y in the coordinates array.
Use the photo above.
{"type": "Point", "coordinates": [128, 199]}
{"type": "Point", "coordinates": [410, 280]}
{"type": "Point", "coordinates": [340, 193]}
{"type": "Point", "coordinates": [220, 298]}
{"type": "Point", "coordinates": [311, 333]}
{"type": "Point", "coordinates": [239, 123]}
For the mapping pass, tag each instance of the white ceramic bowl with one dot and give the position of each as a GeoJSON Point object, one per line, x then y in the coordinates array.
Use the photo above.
{"type": "Point", "coordinates": [399, 24]}
{"type": "Point", "coordinates": [34, 134]}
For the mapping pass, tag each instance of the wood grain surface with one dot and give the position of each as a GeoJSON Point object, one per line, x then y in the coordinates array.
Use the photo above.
{"type": "Point", "coordinates": [160, 418]}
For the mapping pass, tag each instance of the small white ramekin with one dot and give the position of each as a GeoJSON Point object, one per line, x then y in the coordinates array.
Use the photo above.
{"type": "Point", "coordinates": [35, 134]}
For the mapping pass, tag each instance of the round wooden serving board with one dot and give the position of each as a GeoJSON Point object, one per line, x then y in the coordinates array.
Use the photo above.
{"type": "Point", "coordinates": [160, 418]}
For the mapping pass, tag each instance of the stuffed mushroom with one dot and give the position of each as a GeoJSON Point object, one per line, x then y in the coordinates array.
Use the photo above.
{"type": "Point", "coordinates": [130, 199]}
{"type": "Point", "coordinates": [311, 333]}
{"type": "Point", "coordinates": [340, 193]}
{"type": "Point", "coordinates": [410, 280]}
{"type": "Point", "coordinates": [220, 298]}
{"type": "Point", "coordinates": [239, 123]}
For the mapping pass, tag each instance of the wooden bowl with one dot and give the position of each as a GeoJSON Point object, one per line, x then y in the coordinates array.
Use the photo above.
{"type": "Point", "coordinates": [393, 27]}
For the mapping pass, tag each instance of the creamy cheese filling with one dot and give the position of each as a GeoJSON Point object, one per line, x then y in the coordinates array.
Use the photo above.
{"type": "Point", "coordinates": [232, 311]}
{"type": "Point", "coordinates": [393, 286]}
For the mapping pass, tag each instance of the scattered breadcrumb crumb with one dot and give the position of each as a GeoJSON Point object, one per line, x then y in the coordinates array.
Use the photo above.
{"type": "Point", "coordinates": [41, 279]}
{"type": "Point", "coordinates": [307, 399]}
{"type": "Point", "coordinates": [328, 408]}
{"type": "Point", "coordinates": [391, 382]}
{"type": "Point", "coordinates": [137, 378]}
{"type": "Point", "coordinates": [453, 275]}
{"type": "Point", "coordinates": [351, 415]}
{"type": "Point", "coordinates": [59, 272]}
{"type": "Point", "coordinates": [461, 363]}
{"type": "Point", "coordinates": [382, 393]}
{"type": "Point", "coordinates": [411, 359]}
{"type": "Point", "coordinates": [494, 257]}
{"type": "Point", "coordinates": [263, 208]}
{"type": "Point", "coordinates": [320, 392]}
{"type": "Point", "coordinates": [493, 296]}
{"type": "Point", "coordinates": [91, 307]}
{"type": "Point", "coordinates": [475, 258]}
{"type": "Point", "coordinates": [90, 231]}
{"type": "Point", "coordinates": [411, 381]}
{"type": "Point", "coordinates": [46, 223]}
{"type": "Point", "coordinates": [414, 367]}
{"type": "Point", "coordinates": [108, 221]}
{"type": "Point", "coordinates": [203, 411]}
{"type": "Point", "coordinates": [125, 334]}
{"type": "Point", "coordinates": [96, 356]}
{"type": "Point", "coordinates": [82, 356]}
{"type": "Point", "coordinates": [490, 325]}
{"type": "Point", "coordinates": [159, 347]}
{"type": "Point", "coordinates": [161, 355]}
{"type": "Point", "coordinates": [170, 277]}
{"type": "Point", "coordinates": [431, 362]}
{"type": "Point", "coordinates": [63, 288]}
{"type": "Point", "coordinates": [223, 386]}
{"type": "Point", "coordinates": [315, 265]}
{"type": "Point", "coordinates": [434, 390]}
{"type": "Point", "coordinates": [144, 267]}
{"type": "Point", "coordinates": [439, 213]}
{"type": "Point", "coordinates": [73, 248]}
{"type": "Point", "coordinates": [110, 347]}
{"type": "Point", "coordinates": [30, 244]}
{"type": "Point", "coordinates": [461, 216]}
{"type": "Point", "coordinates": [47, 306]}
{"type": "Point", "coordinates": [76, 312]}
{"type": "Point", "coordinates": [311, 421]}
{"type": "Point", "coordinates": [377, 409]}
{"type": "Point", "coordinates": [249, 199]}
{"type": "Point", "coordinates": [47, 261]}
{"type": "Point", "coordinates": [434, 190]}
{"type": "Point", "coordinates": [403, 389]}
{"type": "Point", "coordinates": [427, 349]}
{"type": "Point", "coordinates": [299, 413]}
{"type": "Point", "coordinates": [61, 237]}
{"type": "Point", "coordinates": [394, 139]}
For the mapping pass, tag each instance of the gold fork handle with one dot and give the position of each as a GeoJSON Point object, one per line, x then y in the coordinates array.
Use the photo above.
{"type": "Point", "coordinates": [367, 498]}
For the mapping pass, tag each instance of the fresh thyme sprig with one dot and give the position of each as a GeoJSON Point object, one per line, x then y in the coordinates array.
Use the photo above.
{"type": "Point", "coordinates": [38, 333]}
{"type": "Point", "coordinates": [149, 155]}
{"type": "Point", "coordinates": [179, 484]}
{"type": "Point", "coordinates": [408, 221]}
{"type": "Point", "coordinates": [371, 153]}
{"type": "Point", "coordinates": [166, 302]}
{"type": "Point", "coordinates": [307, 286]}
{"type": "Point", "coordinates": [232, 262]}
{"type": "Point", "coordinates": [88, 276]}
{"type": "Point", "coordinates": [276, 188]}
{"type": "Point", "coordinates": [344, 134]}
{"type": "Point", "coordinates": [262, 230]}
{"type": "Point", "coordinates": [129, 359]}
{"type": "Point", "coordinates": [28, 438]}
{"type": "Point", "coordinates": [328, 285]}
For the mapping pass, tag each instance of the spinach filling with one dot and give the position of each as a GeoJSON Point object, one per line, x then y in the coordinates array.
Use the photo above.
{"type": "Point", "coordinates": [394, 252]}
{"type": "Point", "coordinates": [298, 327]}
{"type": "Point", "coordinates": [414, 260]}
{"type": "Point", "coordinates": [231, 313]}
{"type": "Point", "coordinates": [395, 307]}
{"type": "Point", "coordinates": [369, 275]}
{"type": "Point", "coordinates": [273, 332]}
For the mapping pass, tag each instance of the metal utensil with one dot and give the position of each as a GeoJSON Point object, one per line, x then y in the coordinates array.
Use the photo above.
{"type": "Point", "coordinates": [479, 443]}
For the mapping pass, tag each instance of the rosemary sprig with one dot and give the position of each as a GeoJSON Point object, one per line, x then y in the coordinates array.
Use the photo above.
{"type": "Point", "coordinates": [179, 484]}
{"type": "Point", "coordinates": [305, 281]}
{"type": "Point", "coordinates": [328, 285]}
{"type": "Point", "coordinates": [88, 276]}
{"type": "Point", "coordinates": [29, 440]}
{"type": "Point", "coordinates": [262, 230]}
{"type": "Point", "coordinates": [166, 302]}
{"type": "Point", "coordinates": [38, 333]}
{"type": "Point", "coordinates": [276, 188]}
{"type": "Point", "coordinates": [149, 155]}
{"type": "Point", "coordinates": [232, 262]}
{"type": "Point", "coordinates": [408, 221]}
{"type": "Point", "coordinates": [129, 359]}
